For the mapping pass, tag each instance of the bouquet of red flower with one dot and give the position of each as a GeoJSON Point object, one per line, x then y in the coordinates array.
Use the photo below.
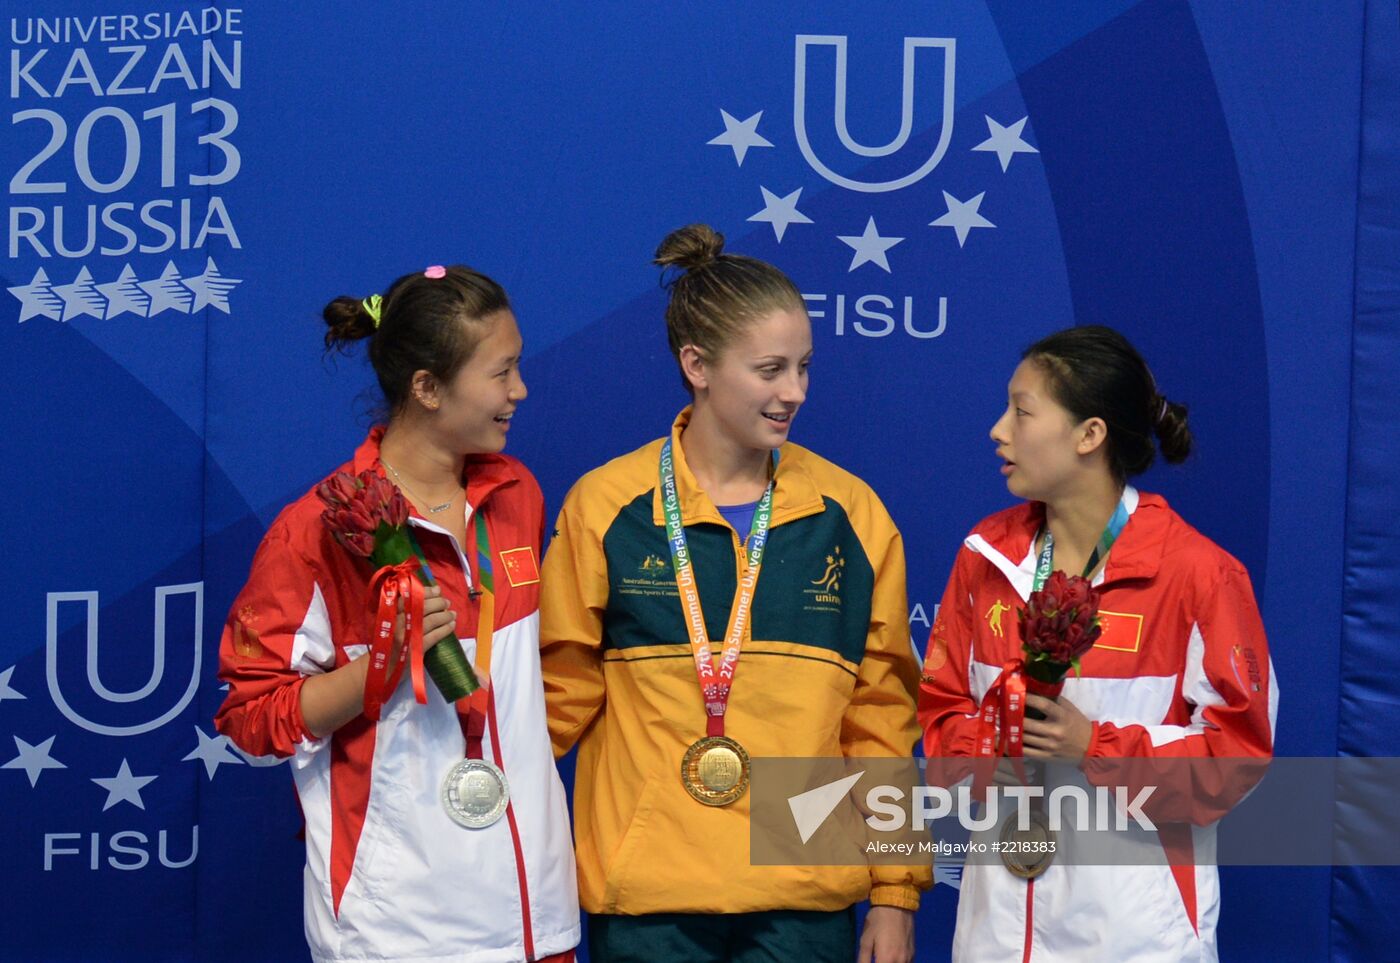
{"type": "Point", "coordinates": [368, 515]}
{"type": "Point", "coordinates": [1059, 624]}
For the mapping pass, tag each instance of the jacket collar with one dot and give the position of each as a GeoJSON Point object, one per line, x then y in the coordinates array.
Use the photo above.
{"type": "Point", "coordinates": [795, 494]}
{"type": "Point", "coordinates": [482, 474]}
{"type": "Point", "coordinates": [1007, 540]}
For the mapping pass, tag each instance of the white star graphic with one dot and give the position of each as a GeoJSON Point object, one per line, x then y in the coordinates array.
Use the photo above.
{"type": "Point", "coordinates": [167, 292]}
{"type": "Point", "coordinates": [37, 298]}
{"type": "Point", "coordinates": [81, 297]}
{"type": "Point", "coordinates": [870, 247]}
{"type": "Point", "coordinates": [124, 787]}
{"type": "Point", "coordinates": [213, 751]}
{"type": "Point", "coordinates": [740, 135]}
{"type": "Point", "coordinates": [211, 288]}
{"type": "Point", "coordinates": [6, 692]}
{"type": "Point", "coordinates": [781, 211]}
{"type": "Point", "coordinates": [124, 295]}
{"type": "Point", "coordinates": [962, 216]}
{"type": "Point", "coordinates": [34, 759]}
{"type": "Point", "coordinates": [1006, 141]}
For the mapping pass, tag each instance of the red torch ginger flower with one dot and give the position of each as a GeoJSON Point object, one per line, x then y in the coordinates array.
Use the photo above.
{"type": "Point", "coordinates": [357, 505]}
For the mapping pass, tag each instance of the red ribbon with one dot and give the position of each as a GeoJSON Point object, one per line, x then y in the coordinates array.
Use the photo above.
{"type": "Point", "coordinates": [390, 583]}
{"type": "Point", "coordinates": [1004, 705]}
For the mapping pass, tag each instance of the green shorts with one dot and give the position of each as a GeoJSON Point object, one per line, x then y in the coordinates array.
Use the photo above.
{"type": "Point", "coordinates": [774, 936]}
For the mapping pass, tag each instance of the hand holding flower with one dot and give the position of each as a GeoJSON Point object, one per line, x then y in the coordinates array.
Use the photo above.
{"type": "Point", "coordinates": [1063, 732]}
{"type": "Point", "coordinates": [439, 620]}
{"type": "Point", "coordinates": [368, 516]}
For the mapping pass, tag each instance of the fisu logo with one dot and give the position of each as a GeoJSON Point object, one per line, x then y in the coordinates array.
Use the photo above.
{"type": "Point", "coordinates": [908, 93]}
{"type": "Point", "coordinates": [863, 226]}
{"type": "Point", "coordinates": [158, 660]}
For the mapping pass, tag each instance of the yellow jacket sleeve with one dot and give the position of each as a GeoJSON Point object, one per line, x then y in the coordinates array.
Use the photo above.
{"type": "Point", "coordinates": [880, 718]}
{"type": "Point", "coordinates": [574, 594]}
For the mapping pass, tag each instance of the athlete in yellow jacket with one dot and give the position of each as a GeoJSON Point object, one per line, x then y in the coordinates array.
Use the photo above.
{"type": "Point", "coordinates": [825, 664]}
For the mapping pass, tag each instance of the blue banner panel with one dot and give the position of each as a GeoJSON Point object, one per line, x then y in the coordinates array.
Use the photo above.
{"type": "Point", "coordinates": [1365, 925]}
{"type": "Point", "coordinates": [188, 183]}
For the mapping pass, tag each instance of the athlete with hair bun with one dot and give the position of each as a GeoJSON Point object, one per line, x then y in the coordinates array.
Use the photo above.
{"type": "Point", "coordinates": [1180, 672]}
{"type": "Point", "coordinates": [398, 867]}
{"type": "Point", "coordinates": [725, 539]}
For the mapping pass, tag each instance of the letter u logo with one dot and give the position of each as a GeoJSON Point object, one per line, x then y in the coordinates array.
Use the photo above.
{"type": "Point", "coordinates": [906, 111]}
{"type": "Point", "coordinates": [163, 592]}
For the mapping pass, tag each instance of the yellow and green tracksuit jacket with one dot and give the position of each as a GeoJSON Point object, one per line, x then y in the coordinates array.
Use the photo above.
{"type": "Point", "coordinates": [827, 671]}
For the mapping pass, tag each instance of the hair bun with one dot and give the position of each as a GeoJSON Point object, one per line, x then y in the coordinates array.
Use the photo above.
{"type": "Point", "coordinates": [346, 321]}
{"type": "Point", "coordinates": [690, 247]}
{"type": "Point", "coordinates": [1173, 433]}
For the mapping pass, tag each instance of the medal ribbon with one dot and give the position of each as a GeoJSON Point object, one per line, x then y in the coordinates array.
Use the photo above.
{"type": "Point", "coordinates": [1004, 705]}
{"type": "Point", "coordinates": [473, 715]}
{"type": "Point", "coordinates": [1046, 563]}
{"type": "Point", "coordinates": [391, 583]}
{"type": "Point", "coordinates": [472, 710]}
{"type": "Point", "coordinates": [715, 685]}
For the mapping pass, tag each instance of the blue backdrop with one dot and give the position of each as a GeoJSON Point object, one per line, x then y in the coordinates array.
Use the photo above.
{"type": "Point", "coordinates": [190, 182]}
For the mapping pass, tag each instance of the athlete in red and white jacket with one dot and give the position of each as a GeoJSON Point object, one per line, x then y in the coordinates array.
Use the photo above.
{"type": "Point", "coordinates": [1180, 677]}
{"type": "Point", "coordinates": [389, 874]}
{"type": "Point", "coordinates": [1182, 670]}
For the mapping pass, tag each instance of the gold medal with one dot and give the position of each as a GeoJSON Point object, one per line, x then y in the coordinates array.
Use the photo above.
{"type": "Point", "coordinates": [715, 771]}
{"type": "Point", "coordinates": [1027, 853]}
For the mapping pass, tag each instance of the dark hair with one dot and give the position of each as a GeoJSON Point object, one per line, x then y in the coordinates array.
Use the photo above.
{"type": "Point", "coordinates": [1095, 373]}
{"type": "Point", "coordinates": [718, 294]}
{"type": "Point", "coordinates": [425, 324]}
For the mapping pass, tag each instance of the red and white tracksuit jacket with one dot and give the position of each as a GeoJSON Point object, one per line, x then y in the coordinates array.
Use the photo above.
{"type": "Point", "coordinates": [388, 874]}
{"type": "Point", "coordinates": [1182, 670]}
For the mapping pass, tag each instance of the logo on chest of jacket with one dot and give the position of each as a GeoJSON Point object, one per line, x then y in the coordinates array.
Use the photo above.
{"type": "Point", "coordinates": [1121, 631]}
{"type": "Point", "coordinates": [652, 577]}
{"type": "Point", "coordinates": [993, 616]}
{"type": "Point", "coordinates": [825, 596]}
{"type": "Point", "coordinates": [520, 566]}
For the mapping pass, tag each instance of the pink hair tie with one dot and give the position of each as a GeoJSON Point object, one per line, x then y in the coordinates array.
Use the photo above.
{"type": "Point", "coordinates": [435, 272]}
{"type": "Point", "coordinates": [1162, 412]}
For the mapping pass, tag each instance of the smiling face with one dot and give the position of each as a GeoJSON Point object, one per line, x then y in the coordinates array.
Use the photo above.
{"type": "Point", "coordinates": [474, 407]}
{"type": "Point", "coordinates": [1043, 449]}
{"type": "Point", "coordinates": [758, 381]}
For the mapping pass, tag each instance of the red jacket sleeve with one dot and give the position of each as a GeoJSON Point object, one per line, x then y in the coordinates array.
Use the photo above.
{"type": "Point", "coordinates": [276, 635]}
{"type": "Point", "coordinates": [1204, 766]}
{"type": "Point", "coordinates": [947, 712]}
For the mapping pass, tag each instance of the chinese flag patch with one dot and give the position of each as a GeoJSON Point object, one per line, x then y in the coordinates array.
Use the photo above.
{"type": "Point", "coordinates": [1122, 631]}
{"type": "Point", "coordinates": [520, 567]}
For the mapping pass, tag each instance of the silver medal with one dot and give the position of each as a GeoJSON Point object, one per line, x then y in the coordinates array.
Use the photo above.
{"type": "Point", "coordinates": [475, 793]}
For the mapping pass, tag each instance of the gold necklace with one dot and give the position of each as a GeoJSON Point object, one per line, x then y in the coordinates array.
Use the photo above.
{"type": "Point", "coordinates": [432, 509]}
